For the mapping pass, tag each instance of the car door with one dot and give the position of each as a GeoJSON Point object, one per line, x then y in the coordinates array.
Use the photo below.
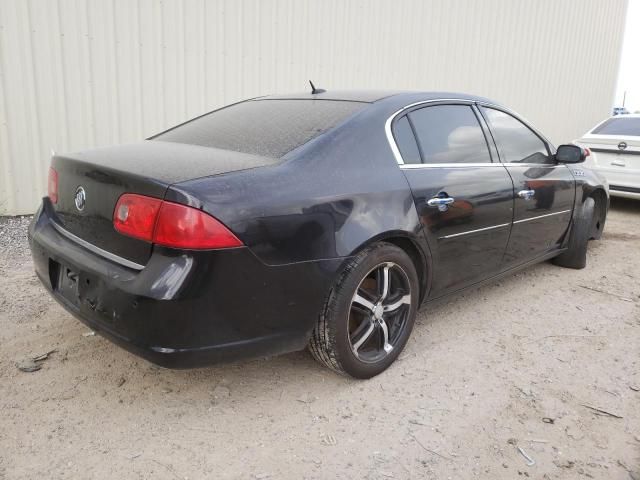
{"type": "Point", "coordinates": [544, 190]}
{"type": "Point", "coordinates": [463, 198]}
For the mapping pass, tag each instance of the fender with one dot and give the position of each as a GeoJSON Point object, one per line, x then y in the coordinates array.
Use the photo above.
{"type": "Point", "coordinates": [588, 184]}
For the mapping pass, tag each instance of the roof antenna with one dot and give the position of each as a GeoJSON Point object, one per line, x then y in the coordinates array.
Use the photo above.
{"type": "Point", "coordinates": [314, 90]}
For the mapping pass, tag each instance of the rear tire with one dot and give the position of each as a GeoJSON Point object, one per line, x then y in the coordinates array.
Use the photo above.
{"type": "Point", "coordinates": [364, 324]}
{"type": "Point", "coordinates": [581, 232]}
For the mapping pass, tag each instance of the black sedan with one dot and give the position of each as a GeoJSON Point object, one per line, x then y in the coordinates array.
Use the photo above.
{"type": "Point", "coordinates": [323, 220]}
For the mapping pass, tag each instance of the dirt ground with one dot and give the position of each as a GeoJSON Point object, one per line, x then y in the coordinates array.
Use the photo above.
{"type": "Point", "coordinates": [510, 365]}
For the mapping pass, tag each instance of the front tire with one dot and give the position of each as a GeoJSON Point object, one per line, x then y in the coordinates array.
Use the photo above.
{"type": "Point", "coordinates": [369, 313]}
{"type": "Point", "coordinates": [582, 231]}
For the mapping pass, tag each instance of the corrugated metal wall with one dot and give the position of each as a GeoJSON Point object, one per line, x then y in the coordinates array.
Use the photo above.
{"type": "Point", "coordinates": [79, 73]}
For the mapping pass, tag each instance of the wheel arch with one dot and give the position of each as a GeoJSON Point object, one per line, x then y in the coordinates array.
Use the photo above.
{"type": "Point", "coordinates": [417, 250]}
{"type": "Point", "coordinates": [601, 199]}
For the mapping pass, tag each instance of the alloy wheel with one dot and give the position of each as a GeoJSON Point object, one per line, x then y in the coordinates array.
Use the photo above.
{"type": "Point", "coordinates": [379, 311]}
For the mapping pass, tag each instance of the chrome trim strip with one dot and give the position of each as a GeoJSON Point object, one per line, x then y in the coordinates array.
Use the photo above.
{"type": "Point", "coordinates": [617, 151]}
{"type": "Point", "coordinates": [502, 225]}
{"type": "Point", "coordinates": [97, 250]}
{"type": "Point", "coordinates": [541, 216]}
{"type": "Point", "coordinates": [413, 166]}
{"type": "Point", "coordinates": [475, 231]}
{"type": "Point", "coordinates": [531, 165]}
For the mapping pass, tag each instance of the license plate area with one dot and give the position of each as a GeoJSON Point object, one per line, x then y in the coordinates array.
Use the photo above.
{"type": "Point", "coordinates": [64, 282]}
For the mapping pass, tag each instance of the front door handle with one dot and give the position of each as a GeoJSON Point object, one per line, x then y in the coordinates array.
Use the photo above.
{"type": "Point", "coordinates": [441, 202]}
{"type": "Point", "coordinates": [526, 194]}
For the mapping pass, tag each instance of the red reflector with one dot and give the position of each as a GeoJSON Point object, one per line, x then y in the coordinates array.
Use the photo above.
{"type": "Point", "coordinates": [180, 226]}
{"type": "Point", "coordinates": [170, 224]}
{"type": "Point", "coordinates": [52, 185]}
{"type": "Point", "coordinates": [135, 216]}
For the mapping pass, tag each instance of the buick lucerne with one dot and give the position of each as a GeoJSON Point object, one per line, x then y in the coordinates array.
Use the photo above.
{"type": "Point", "coordinates": [321, 219]}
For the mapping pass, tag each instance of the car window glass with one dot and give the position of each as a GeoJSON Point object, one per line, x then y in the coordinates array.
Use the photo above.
{"type": "Point", "coordinates": [406, 141]}
{"type": "Point", "coordinates": [516, 142]}
{"type": "Point", "coordinates": [619, 126]}
{"type": "Point", "coordinates": [450, 134]}
{"type": "Point", "coordinates": [269, 128]}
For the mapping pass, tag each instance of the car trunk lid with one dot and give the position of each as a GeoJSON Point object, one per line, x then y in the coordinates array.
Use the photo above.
{"type": "Point", "coordinates": [618, 157]}
{"type": "Point", "coordinates": [146, 168]}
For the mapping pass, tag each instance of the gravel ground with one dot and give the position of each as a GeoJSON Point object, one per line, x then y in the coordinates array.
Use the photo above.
{"type": "Point", "coordinates": [522, 363]}
{"type": "Point", "coordinates": [13, 244]}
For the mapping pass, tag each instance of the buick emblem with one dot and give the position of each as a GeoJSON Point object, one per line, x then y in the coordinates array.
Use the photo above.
{"type": "Point", "coordinates": [80, 198]}
{"type": "Point", "coordinates": [622, 145]}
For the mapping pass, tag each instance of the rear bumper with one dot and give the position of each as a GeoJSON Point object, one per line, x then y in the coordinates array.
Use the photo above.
{"type": "Point", "coordinates": [623, 181]}
{"type": "Point", "coordinates": [186, 308]}
{"type": "Point", "coordinates": [624, 191]}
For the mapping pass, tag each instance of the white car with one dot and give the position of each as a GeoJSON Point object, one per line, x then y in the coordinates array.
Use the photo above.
{"type": "Point", "coordinates": [615, 147]}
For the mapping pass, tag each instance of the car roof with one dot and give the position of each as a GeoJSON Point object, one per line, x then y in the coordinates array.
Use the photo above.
{"type": "Point", "coordinates": [367, 96]}
{"type": "Point", "coordinates": [371, 96]}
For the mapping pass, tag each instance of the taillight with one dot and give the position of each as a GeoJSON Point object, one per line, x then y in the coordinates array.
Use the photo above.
{"type": "Point", "coordinates": [186, 227]}
{"type": "Point", "coordinates": [135, 216]}
{"type": "Point", "coordinates": [52, 185]}
{"type": "Point", "coordinates": [170, 224]}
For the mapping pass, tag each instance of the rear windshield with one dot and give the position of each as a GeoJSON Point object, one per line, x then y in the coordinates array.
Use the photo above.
{"type": "Point", "coordinates": [269, 128]}
{"type": "Point", "coordinates": [619, 126]}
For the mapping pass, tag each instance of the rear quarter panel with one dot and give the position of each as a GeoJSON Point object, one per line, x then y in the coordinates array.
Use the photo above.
{"type": "Point", "coordinates": [328, 199]}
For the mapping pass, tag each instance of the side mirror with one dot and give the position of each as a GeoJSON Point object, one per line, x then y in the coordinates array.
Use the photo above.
{"type": "Point", "coordinates": [571, 154]}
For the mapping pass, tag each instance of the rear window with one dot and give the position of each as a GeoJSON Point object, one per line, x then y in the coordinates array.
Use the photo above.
{"type": "Point", "coordinates": [269, 128]}
{"type": "Point", "coordinates": [619, 126]}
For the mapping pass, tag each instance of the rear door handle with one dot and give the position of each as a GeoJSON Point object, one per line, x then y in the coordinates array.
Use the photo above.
{"type": "Point", "coordinates": [526, 194]}
{"type": "Point", "coordinates": [441, 202]}
{"type": "Point", "coordinates": [619, 163]}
